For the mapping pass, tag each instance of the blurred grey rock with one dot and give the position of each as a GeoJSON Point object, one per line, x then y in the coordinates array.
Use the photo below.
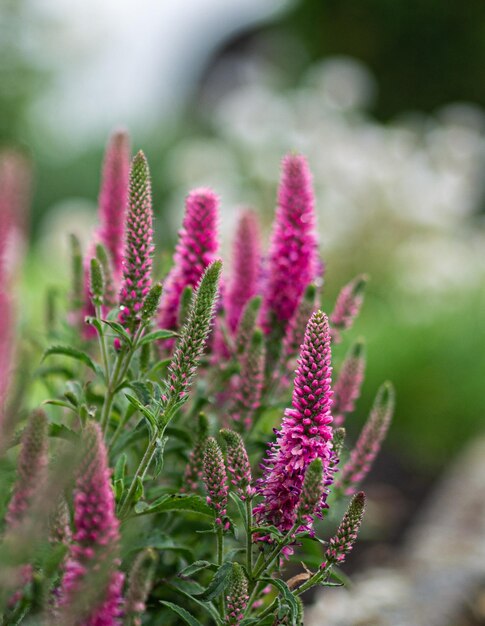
{"type": "Point", "coordinates": [441, 566]}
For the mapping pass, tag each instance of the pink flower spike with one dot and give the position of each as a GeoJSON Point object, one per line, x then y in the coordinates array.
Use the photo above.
{"type": "Point", "coordinates": [238, 463]}
{"type": "Point", "coordinates": [14, 202]}
{"type": "Point", "coordinates": [215, 479]}
{"type": "Point", "coordinates": [246, 267]}
{"type": "Point", "coordinates": [305, 432]}
{"type": "Point", "coordinates": [369, 442]}
{"type": "Point", "coordinates": [237, 596]}
{"type": "Point", "coordinates": [293, 256]}
{"type": "Point", "coordinates": [6, 357]}
{"type": "Point", "coordinates": [196, 249]}
{"type": "Point", "coordinates": [295, 332]}
{"type": "Point", "coordinates": [347, 307]}
{"type": "Point", "coordinates": [349, 382]}
{"type": "Point", "coordinates": [343, 542]}
{"type": "Point", "coordinates": [92, 584]}
{"type": "Point", "coordinates": [113, 198]}
{"type": "Point", "coordinates": [31, 467]}
{"type": "Point", "coordinates": [137, 262]}
{"type": "Point", "coordinates": [249, 383]}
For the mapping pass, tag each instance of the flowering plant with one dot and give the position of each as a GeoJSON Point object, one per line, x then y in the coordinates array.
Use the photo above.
{"type": "Point", "coordinates": [137, 497]}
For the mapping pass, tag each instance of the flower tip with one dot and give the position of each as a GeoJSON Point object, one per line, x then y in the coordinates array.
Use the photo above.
{"type": "Point", "coordinates": [360, 283]}
{"type": "Point", "coordinates": [310, 292]}
{"type": "Point", "coordinates": [386, 395]}
{"type": "Point", "coordinates": [204, 195]}
{"type": "Point", "coordinates": [358, 349]}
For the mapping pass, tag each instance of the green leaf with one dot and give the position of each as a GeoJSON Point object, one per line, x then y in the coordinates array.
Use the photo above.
{"type": "Point", "coordinates": [159, 450]}
{"type": "Point", "coordinates": [241, 507]}
{"type": "Point", "coordinates": [118, 487]}
{"type": "Point", "coordinates": [217, 584]}
{"type": "Point", "coordinates": [63, 403]}
{"type": "Point", "coordinates": [185, 615]}
{"type": "Point", "coordinates": [119, 330]}
{"type": "Point", "coordinates": [188, 571]}
{"type": "Point", "coordinates": [73, 353]}
{"type": "Point", "coordinates": [143, 409]}
{"type": "Point", "coordinates": [272, 530]}
{"type": "Point", "coordinates": [93, 321]}
{"type": "Point", "coordinates": [156, 335]}
{"type": "Point", "coordinates": [143, 393]}
{"type": "Point", "coordinates": [340, 577]}
{"type": "Point", "coordinates": [180, 434]}
{"type": "Point", "coordinates": [138, 494]}
{"type": "Point", "coordinates": [286, 594]}
{"type": "Point", "coordinates": [62, 432]}
{"type": "Point", "coordinates": [266, 621]}
{"type": "Point", "coordinates": [159, 541]}
{"type": "Point", "coordinates": [187, 589]}
{"type": "Point", "coordinates": [180, 502]}
{"type": "Point", "coordinates": [120, 467]}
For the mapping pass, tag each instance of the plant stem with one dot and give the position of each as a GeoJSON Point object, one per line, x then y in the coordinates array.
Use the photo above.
{"type": "Point", "coordinates": [102, 343]}
{"type": "Point", "coordinates": [276, 550]}
{"type": "Point", "coordinates": [140, 473]}
{"type": "Point", "coordinates": [220, 555]}
{"type": "Point", "coordinates": [314, 580]}
{"type": "Point", "coordinates": [249, 538]}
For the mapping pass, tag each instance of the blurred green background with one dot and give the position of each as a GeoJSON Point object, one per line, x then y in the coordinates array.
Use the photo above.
{"type": "Point", "coordinates": [385, 99]}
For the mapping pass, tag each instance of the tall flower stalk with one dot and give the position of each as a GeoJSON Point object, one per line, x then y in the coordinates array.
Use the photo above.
{"type": "Point", "coordinates": [347, 387]}
{"type": "Point", "coordinates": [113, 198]}
{"type": "Point", "coordinates": [31, 467]}
{"type": "Point", "coordinates": [246, 268]}
{"type": "Point", "coordinates": [347, 307]}
{"type": "Point", "coordinates": [305, 433]}
{"type": "Point", "coordinates": [91, 587]}
{"type": "Point", "coordinates": [293, 258]}
{"type": "Point", "coordinates": [137, 259]}
{"type": "Point", "coordinates": [196, 249]}
{"type": "Point", "coordinates": [369, 441]}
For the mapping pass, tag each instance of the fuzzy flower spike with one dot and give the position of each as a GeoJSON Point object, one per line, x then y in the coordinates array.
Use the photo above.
{"type": "Point", "coordinates": [343, 542]}
{"type": "Point", "coordinates": [31, 467]}
{"type": "Point", "coordinates": [369, 442]}
{"type": "Point", "coordinates": [137, 262]}
{"type": "Point", "coordinates": [347, 307]}
{"type": "Point", "coordinates": [91, 586]}
{"type": "Point", "coordinates": [215, 479]}
{"type": "Point", "coordinates": [113, 198]}
{"type": "Point", "coordinates": [349, 382]}
{"type": "Point", "coordinates": [246, 268]}
{"type": "Point", "coordinates": [196, 249]}
{"type": "Point", "coordinates": [293, 256]}
{"type": "Point", "coordinates": [305, 432]}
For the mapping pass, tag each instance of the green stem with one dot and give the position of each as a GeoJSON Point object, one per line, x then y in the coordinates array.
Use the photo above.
{"type": "Point", "coordinates": [102, 343]}
{"type": "Point", "coordinates": [249, 538]}
{"type": "Point", "coordinates": [276, 550]}
{"type": "Point", "coordinates": [122, 364]}
{"type": "Point", "coordinates": [220, 556]}
{"type": "Point", "coordinates": [314, 580]}
{"type": "Point", "coordinates": [140, 473]}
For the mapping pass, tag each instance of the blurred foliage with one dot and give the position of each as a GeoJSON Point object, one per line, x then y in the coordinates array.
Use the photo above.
{"type": "Point", "coordinates": [20, 79]}
{"type": "Point", "coordinates": [424, 53]}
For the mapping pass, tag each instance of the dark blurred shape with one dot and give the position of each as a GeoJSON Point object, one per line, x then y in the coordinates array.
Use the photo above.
{"type": "Point", "coordinates": [424, 53]}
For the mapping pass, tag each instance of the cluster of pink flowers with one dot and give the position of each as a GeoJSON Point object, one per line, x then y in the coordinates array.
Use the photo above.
{"type": "Point", "coordinates": [113, 198]}
{"type": "Point", "coordinates": [305, 432]}
{"type": "Point", "coordinates": [196, 249]}
{"type": "Point", "coordinates": [246, 268]}
{"type": "Point", "coordinates": [293, 256]}
{"type": "Point", "coordinates": [93, 555]}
